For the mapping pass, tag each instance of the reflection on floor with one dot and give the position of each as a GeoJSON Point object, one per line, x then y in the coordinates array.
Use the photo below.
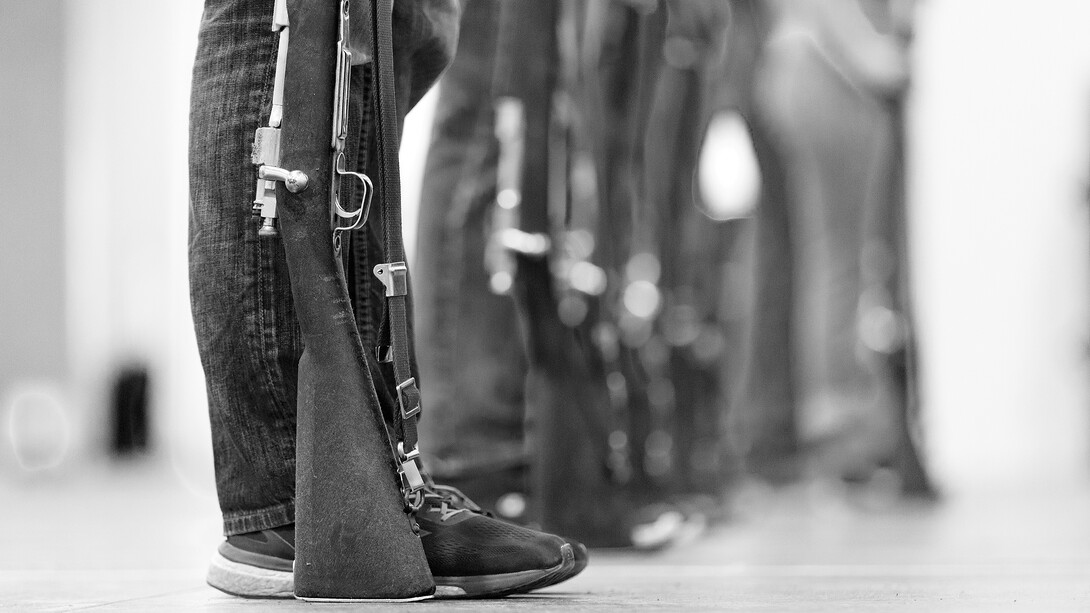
{"type": "Point", "coordinates": [136, 537]}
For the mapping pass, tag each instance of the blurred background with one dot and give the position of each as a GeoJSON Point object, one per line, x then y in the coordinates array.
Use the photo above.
{"type": "Point", "coordinates": [95, 324]}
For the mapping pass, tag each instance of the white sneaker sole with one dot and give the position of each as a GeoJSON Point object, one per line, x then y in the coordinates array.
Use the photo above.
{"type": "Point", "coordinates": [253, 582]}
{"type": "Point", "coordinates": [249, 581]}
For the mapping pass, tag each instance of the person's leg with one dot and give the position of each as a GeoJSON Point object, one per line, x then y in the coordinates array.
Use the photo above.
{"type": "Point", "coordinates": [762, 421]}
{"type": "Point", "coordinates": [245, 322]}
{"type": "Point", "coordinates": [246, 330]}
{"type": "Point", "coordinates": [471, 360]}
{"type": "Point", "coordinates": [249, 341]}
{"type": "Point", "coordinates": [829, 138]}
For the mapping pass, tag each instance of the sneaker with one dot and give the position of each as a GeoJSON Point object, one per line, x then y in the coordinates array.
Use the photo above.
{"type": "Point", "coordinates": [582, 557]}
{"type": "Point", "coordinates": [471, 554]}
{"type": "Point", "coordinates": [474, 555]}
{"type": "Point", "coordinates": [256, 564]}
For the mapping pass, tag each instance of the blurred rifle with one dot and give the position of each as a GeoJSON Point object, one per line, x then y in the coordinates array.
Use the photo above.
{"type": "Point", "coordinates": [689, 344]}
{"type": "Point", "coordinates": [566, 402]}
{"type": "Point", "coordinates": [576, 234]}
{"type": "Point", "coordinates": [615, 68]}
{"type": "Point", "coordinates": [644, 92]}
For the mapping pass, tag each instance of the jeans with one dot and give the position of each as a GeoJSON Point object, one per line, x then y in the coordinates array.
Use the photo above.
{"type": "Point", "coordinates": [246, 326]}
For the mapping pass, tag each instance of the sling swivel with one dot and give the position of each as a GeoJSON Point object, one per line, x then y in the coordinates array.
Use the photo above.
{"type": "Point", "coordinates": [294, 180]}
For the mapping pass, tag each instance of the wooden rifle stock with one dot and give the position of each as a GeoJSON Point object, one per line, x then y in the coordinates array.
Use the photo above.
{"type": "Point", "coordinates": [353, 537]}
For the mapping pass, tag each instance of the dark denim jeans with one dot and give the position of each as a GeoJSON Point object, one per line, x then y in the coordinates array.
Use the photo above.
{"type": "Point", "coordinates": [246, 327]}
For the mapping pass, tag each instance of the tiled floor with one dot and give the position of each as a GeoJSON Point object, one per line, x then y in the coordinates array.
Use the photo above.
{"type": "Point", "coordinates": [134, 538]}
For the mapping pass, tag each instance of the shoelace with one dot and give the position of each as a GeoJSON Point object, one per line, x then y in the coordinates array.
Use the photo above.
{"type": "Point", "coordinates": [451, 501]}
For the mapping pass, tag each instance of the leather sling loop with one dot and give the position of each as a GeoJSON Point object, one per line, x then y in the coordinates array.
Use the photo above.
{"type": "Point", "coordinates": [394, 273]}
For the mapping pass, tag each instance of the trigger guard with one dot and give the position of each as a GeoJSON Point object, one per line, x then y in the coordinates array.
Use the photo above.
{"type": "Point", "coordinates": [360, 213]}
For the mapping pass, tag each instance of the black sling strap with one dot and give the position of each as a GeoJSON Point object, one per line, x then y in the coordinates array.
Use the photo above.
{"type": "Point", "coordinates": [394, 273]}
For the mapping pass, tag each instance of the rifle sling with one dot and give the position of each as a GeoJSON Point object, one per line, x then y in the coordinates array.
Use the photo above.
{"type": "Point", "coordinates": [389, 187]}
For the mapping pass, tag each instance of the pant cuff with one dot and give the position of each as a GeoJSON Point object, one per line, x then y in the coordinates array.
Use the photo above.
{"type": "Point", "coordinates": [261, 519]}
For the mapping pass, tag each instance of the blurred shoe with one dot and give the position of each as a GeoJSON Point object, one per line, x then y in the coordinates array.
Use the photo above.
{"type": "Point", "coordinates": [667, 528]}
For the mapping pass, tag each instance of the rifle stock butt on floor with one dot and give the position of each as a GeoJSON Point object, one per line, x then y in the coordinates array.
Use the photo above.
{"type": "Point", "coordinates": [353, 537]}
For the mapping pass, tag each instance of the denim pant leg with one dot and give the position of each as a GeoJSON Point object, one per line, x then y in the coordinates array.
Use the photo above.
{"type": "Point", "coordinates": [471, 359]}
{"type": "Point", "coordinates": [247, 334]}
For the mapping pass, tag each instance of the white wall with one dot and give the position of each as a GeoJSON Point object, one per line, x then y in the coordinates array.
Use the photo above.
{"type": "Point", "coordinates": [127, 81]}
{"type": "Point", "coordinates": [1000, 160]}
{"type": "Point", "coordinates": [33, 342]}
{"type": "Point", "coordinates": [126, 114]}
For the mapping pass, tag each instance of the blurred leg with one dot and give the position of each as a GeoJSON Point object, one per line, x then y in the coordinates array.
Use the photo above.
{"type": "Point", "coordinates": [471, 360]}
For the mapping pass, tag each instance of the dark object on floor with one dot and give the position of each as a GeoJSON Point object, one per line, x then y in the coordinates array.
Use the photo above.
{"type": "Point", "coordinates": [129, 411]}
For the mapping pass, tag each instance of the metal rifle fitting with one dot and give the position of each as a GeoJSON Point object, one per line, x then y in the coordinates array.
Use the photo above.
{"type": "Point", "coordinates": [412, 480]}
{"type": "Point", "coordinates": [294, 180]}
{"type": "Point", "coordinates": [395, 276]}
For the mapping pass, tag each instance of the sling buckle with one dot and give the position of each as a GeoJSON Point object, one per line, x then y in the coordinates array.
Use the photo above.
{"type": "Point", "coordinates": [395, 276]}
{"type": "Point", "coordinates": [407, 393]}
{"type": "Point", "coordinates": [412, 480]}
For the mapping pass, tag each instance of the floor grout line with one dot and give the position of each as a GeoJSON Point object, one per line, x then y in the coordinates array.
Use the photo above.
{"type": "Point", "coordinates": [124, 600]}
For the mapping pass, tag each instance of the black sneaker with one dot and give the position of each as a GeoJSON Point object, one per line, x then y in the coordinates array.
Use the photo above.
{"type": "Point", "coordinates": [471, 554]}
{"type": "Point", "coordinates": [474, 555]}
{"type": "Point", "coordinates": [582, 557]}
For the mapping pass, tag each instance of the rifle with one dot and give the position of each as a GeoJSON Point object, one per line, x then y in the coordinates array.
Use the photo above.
{"type": "Point", "coordinates": [354, 538]}
{"type": "Point", "coordinates": [690, 332]}
{"type": "Point", "coordinates": [655, 245]}
{"type": "Point", "coordinates": [605, 127]}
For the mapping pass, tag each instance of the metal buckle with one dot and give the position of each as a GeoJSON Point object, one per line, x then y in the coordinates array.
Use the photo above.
{"type": "Point", "coordinates": [412, 481]}
{"type": "Point", "coordinates": [406, 414]}
{"type": "Point", "coordinates": [395, 276]}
